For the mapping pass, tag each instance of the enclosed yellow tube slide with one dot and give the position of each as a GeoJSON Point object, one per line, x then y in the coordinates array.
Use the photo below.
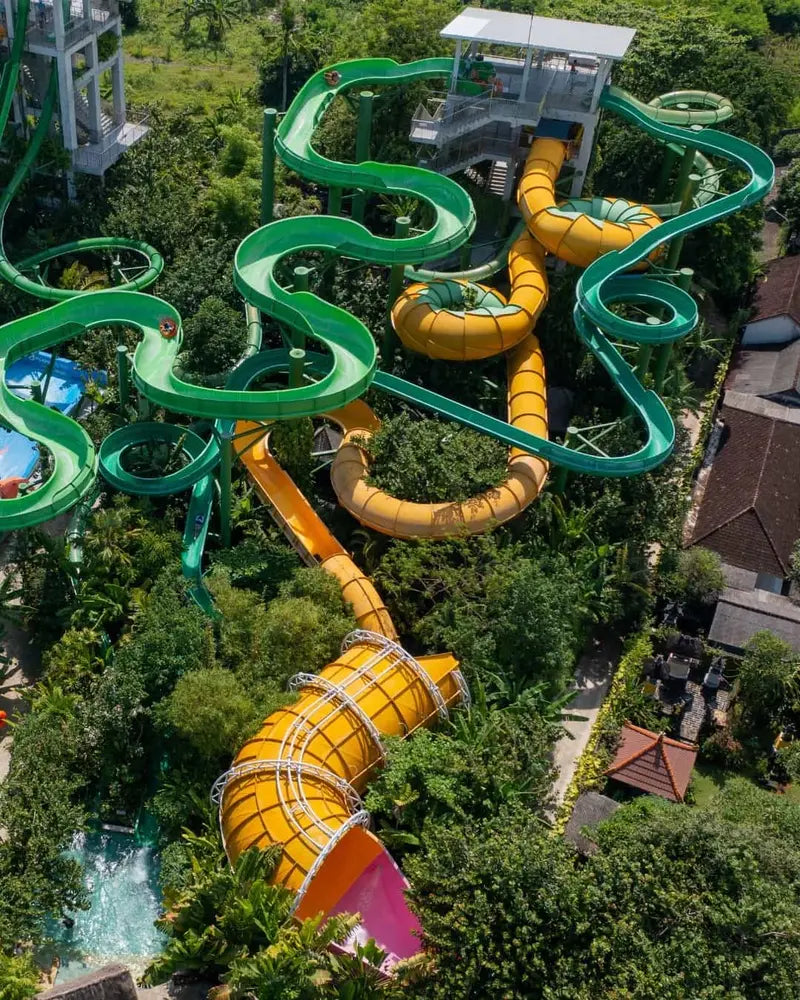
{"type": "Point", "coordinates": [527, 409]}
{"type": "Point", "coordinates": [296, 782]}
{"type": "Point", "coordinates": [425, 324]}
{"type": "Point", "coordinates": [577, 232]}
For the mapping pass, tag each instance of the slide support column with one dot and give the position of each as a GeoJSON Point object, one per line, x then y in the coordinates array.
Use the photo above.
{"type": "Point", "coordinates": [693, 182]}
{"type": "Point", "coordinates": [268, 166]}
{"type": "Point", "coordinates": [683, 280]}
{"type": "Point", "coordinates": [401, 227]}
{"type": "Point", "coordinates": [123, 377]}
{"type": "Point", "coordinates": [562, 473]}
{"type": "Point", "coordinates": [225, 477]}
{"type": "Point", "coordinates": [297, 353]}
{"type": "Point", "coordinates": [363, 135]}
{"type": "Point", "coordinates": [662, 187]}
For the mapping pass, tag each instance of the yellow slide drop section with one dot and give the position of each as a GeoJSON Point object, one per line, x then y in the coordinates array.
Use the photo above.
{"type": "Point", "coordinates": [575, 237]}
{"type": "Point", "coordinates": [296, 782]}
{"type": "Point", "coordinates": [305, 528]}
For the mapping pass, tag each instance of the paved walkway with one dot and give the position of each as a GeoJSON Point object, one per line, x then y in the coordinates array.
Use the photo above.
{"type": "Point", "coordinates": [592, 679]}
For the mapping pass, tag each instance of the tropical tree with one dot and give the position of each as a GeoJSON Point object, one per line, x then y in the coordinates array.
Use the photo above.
{"type": "Point", "coordinates": [768, 681]}
{"type": "Point", "coordinates": [219, 16]}
{"type": "Point", "coordinates": [697, 577]}
{"type": "Point", "coordinates": [211, 710]}
{"type": "Point", "coordinates": [228, 921]}
{"type": "Point", "coordinates": [19, 977]}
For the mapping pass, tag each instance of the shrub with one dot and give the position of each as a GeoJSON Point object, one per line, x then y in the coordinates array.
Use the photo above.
{"type": "Point", "coordinates": [697, 577]}
{"type": "Point", "coordinates": [724, 749]}
{"type": "Point", "coordinates": [214, 337]}
{"type": "Point", "coordinates": [432, 461]}
{"type": "Point", "coordinates": [787, 148]}
{"type": "Point", "coordinates": [19, 977]}
{"type": "Point", "coordinates": [211, 710]}
{"type": "Point", "coordinates": [789, 760]}
{"type": "Point", "coordinates": [291, 442]}
{"type": "Point", "coordinates": [768, 675]}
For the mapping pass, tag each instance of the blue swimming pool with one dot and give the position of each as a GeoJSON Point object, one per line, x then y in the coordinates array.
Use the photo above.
{"type": "Point", "coordinates": [18, 454]}
{"type": "Point", "coordinates": [122, 882]}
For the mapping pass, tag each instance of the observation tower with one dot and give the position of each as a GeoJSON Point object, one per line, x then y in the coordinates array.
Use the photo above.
{"type": "Point", "coordinates": [516, 77]}
{"type": "Point", "coordinates": [81, 40]}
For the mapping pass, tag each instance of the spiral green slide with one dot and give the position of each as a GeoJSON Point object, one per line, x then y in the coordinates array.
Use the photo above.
{"type": "Point", "coordinates": [351, 366]}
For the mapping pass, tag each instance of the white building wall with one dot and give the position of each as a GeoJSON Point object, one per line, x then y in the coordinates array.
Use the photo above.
{"type": "Point", "coordinates": [776, 330]}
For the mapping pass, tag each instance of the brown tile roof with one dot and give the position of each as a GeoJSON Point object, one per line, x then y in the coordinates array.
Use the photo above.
{"type": "Point", "coordinates": [654, 763]}
{"type": "Point", "coordinates": [779, 291]}
{"type": "Point", "coordinates": [750, 513]}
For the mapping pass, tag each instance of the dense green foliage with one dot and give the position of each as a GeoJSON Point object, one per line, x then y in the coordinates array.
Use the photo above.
{"type": "Point", "coordinates": [214, 337]}
{"type": "Point", "coordinates": [427, 461]}
{"type": "Point", "coordinates": [508, 912]}
{"type": "Point", "coordinates": [769, 674]}
{"type": "Point", "coordinates": [697, 577]}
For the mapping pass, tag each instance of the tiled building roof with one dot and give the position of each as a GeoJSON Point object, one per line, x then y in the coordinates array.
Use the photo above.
{"type": "Point", "coordinates": [750, 513]}
{"type": "Point", "coordinates": [654, 763]}
{"type": "Point", "coordinates": [779, 291]}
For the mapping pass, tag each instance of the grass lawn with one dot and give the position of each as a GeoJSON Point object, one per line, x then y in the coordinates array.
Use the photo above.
{"type": "Point", "coordinates": [181, 70]}
{"type": "Point", "coordinates": [708, 779]}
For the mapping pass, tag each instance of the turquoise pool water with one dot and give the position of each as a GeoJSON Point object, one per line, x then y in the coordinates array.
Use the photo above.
{"type": "Point", "coordinates": [122, 883]}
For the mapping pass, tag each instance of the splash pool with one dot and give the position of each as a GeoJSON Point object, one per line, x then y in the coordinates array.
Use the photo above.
{"type": "Point", "coordinates": [122, 882]}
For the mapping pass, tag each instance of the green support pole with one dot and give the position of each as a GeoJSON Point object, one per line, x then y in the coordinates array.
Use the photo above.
{"type": "Point", "coordinates": [36, 391]}
{"type": "Point", "coordinates": [268, 166]}
{"type": "Point", "coordinates": [123, 377]}
{"type": "Point", "coordinates": [297, 361]}
{"type": "Point", "coordinates": [401, 228]}
{"type": "Point", "coordinates": [676, 246]}
{"type": "Point", "coordinates": [643, 358]}
{"type": "Point", "coordinates": [300, 284]}
{"type": "Point", "coordinates": [49, 374]}
{"type": "Point", "coordinates": [662, 187]}
{"type": "Point", "coordinates": [562, 473]}
{"type": "Point", "coordinates": [363, 135]}
{"type": "Point", "coordinates": [683, 280]}
{"type": "Point", "coordinates": [334, 201]}
{"type": "Point", "coordinates": [685, 168]}
{"type": "Point", "coordinates": [225, 477]}
{"type": "Point", "coordinates": [465, 256]}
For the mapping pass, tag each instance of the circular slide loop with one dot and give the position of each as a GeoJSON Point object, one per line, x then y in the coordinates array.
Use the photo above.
{"type": "Point", "coordinates": [110, 244]}
{"type": "Point", "coordinates": [203, 457]}
{"type": "Point", "coordinates": [691, 107]}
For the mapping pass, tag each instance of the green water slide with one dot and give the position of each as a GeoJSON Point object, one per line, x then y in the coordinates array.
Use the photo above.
{"type": "Point", "coordinates": [352, 355]}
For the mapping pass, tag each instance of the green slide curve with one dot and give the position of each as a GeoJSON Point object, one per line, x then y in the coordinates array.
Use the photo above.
{"type": "Point", "coordinates": [352, 362]}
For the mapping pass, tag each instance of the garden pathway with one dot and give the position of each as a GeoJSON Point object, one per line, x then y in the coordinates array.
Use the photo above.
{"type": "Point", "coordinates": [592, 679]}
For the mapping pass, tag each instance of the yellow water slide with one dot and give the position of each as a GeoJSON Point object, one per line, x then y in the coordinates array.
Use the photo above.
{"type": "Point", "coordinates": [306, 530]}
{"type": "Point", "coordinates": [297, 781]}
{"type": "Point", "coordinates": [580, 230]}
{"type": "Point", "coordinates": [434, 319]}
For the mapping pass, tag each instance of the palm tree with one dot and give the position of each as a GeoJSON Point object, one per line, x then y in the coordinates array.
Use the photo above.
{"type": "Point", "coordinates": [79, 278]}
{"type": "Point", "coordinates": [219, 15]}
